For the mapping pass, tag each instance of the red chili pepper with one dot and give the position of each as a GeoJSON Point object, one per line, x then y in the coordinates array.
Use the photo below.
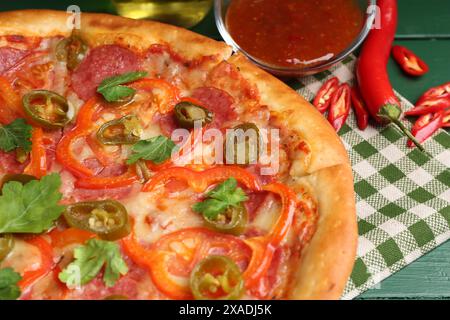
{"type": "Point", "coordinates": [409, 61]}
{"type": "Point", "coordinates": [362, 115]}
{"type": "Point", "coordinates": [425, 126]}
{"type": "Point", "coordinates": [371, 70]}
{"type": "Point", "coordinates": [446, 119]}
{"type": "Point", "coordinates": [323, 97]}
{"type": "Point", "coordinates": [433, 100]}
{"type": "Point", "coordinates": [339, 107]}
{"type": "Point", "coordinates": [441, 91]}
{"type": "Point", "coordinates": [82, 128]}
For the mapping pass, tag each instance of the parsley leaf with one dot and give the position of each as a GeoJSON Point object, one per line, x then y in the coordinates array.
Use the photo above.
{"type": "Point", "coordinates": [9, 290]}
{"type": "Point", "coordinates": [112, 88]}
{"type": "Point", "coordinates": [30, 208]}
{"type": "Point", "coordinates": [17, 134]}
{"type": "Point", "coordinates": [225, 195]}
{"type": "Point", "coordinates": [157, 149]}
{"type": "Point", "coordinates": [90, 259]}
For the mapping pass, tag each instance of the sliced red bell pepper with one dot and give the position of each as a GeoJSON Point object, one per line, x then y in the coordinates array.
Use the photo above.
{"type": "Point", "coordinates": [10, 103]}
{"type": "Point", "coordinates": [409, 61]}
{"type": "Point", "coordinates": [201, 180]}
{"type": "Point", "coordinates": [94, 182]}
{"type": "Point", "coordinates": [323, 97]}
{"type": "Point", "coordinates": [446, 119]}
{"type": "Point", "coordinates": [264, 247]}
{"type": "Point", "coordinates": [339, 107]}
{"type": "Point", "coordinates": [45, 267]}
{"type": "Point", "coordinates": [38, 157]}
{"type": "Point", "coordinates": [165, 95]}
{"type": "Point", "coordinates": [100, 153]}
{"type": "Point", "coordinates": [63, 238]}
{"type": "Point", "coordinates": [64, 154]}
{"type": "Point", "coordinates": [262, 255]}
{"type": "Point", "coordinates": [174, 255]}
{"type": "Point", "coordinates": [362, 115]}
{"type": "Point", "coordinates": [289, 205]}
{"type": "Point", "coordinates": [433, 100]}
{"type": "Point", "coordinates": [425, 126]}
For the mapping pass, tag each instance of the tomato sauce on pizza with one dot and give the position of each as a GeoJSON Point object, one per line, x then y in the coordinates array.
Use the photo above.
{"type": "Point", "coordinates": [103, 197]}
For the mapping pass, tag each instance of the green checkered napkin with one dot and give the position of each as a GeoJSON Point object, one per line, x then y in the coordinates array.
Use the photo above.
{"type": "Point", "coordinates": [402, 196]}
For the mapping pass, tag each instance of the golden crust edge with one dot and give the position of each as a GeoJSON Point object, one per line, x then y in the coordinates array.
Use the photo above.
{"type": "Point", "coordinates": [101, 28]}
{"type": "Point", "coordinates": [327, 261]}
{"type": "Point", "coordinates": [37, 23]}
{"type": "Point", "coordinates": [143, 33]}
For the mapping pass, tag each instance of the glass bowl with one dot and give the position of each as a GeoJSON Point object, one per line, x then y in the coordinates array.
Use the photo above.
{"type": "Point", "coordinates": [368, 6]}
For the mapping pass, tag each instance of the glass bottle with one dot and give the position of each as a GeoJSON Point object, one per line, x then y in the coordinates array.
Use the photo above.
{"type": "Point", "coordinates": [184, 13]}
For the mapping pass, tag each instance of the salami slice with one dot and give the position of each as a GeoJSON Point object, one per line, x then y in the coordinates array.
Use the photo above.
{"type": "Point", "coordinates": [9, 57]}
{"type": "Point", "coordinates": [217, 101]}
{"type": "Point", "coordinates": [9, 164]}
{"type": "Point", "coordinates": [102, 62]}
{"type": "Point", "coordinates": [166, 123]}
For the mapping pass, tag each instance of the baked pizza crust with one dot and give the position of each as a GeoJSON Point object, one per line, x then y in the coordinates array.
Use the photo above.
{"type": "Point", "coordinates": [327, 261]}
{"type": "Point", "coordinates": [100, 29]}
{"type": "Point", "coordinates": [37, 23]}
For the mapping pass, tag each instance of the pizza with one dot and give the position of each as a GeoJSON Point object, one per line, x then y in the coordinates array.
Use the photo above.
{"type": "Point", "coordinates": [143, 161]}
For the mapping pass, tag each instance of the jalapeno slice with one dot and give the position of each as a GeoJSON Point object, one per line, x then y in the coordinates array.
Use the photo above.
{"type": "Point", "coordinates": [187, 113]}
{"type": "Point", "coordinates": [107, 218]}
{"type": "Point", "coordinates": [218, 278]}
{"type": "Point", "coordinates": [72, 50]}
{"type": "Point", "coordinates": [22, 178]}
{"type": "Point", "coordinates": [6, 245]}
{"type": "Point", "coordinates": [243, 144]}
{"type": "Point", "coordinates": [125, 130]}
{"type": "Point", "coordinates": [233, 220]}
{"type": "Point", "coordinates": [47, 108]}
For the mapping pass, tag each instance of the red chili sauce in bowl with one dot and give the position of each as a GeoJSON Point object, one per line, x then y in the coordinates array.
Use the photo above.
{"type": "Point", "coordinates": [294, 33]}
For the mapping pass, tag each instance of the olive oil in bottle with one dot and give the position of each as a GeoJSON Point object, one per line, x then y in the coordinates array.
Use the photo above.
{"type": "Point", "coordinates": [184, 13]}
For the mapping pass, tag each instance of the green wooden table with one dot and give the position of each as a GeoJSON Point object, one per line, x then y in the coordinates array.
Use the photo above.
{"type": "Point", "coordinates": [425, 28]}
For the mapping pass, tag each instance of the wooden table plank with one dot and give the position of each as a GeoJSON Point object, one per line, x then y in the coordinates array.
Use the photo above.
{"type": "Point", "coordinates": [419, 18]}
{"type": "Point", "coordinates": [426, 278]}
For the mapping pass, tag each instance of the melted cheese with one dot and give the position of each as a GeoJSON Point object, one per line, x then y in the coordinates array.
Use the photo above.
{"type": "Point", "coordinates": [24, 256]}
{"type": "Point", "coordinates": [156, 214]}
